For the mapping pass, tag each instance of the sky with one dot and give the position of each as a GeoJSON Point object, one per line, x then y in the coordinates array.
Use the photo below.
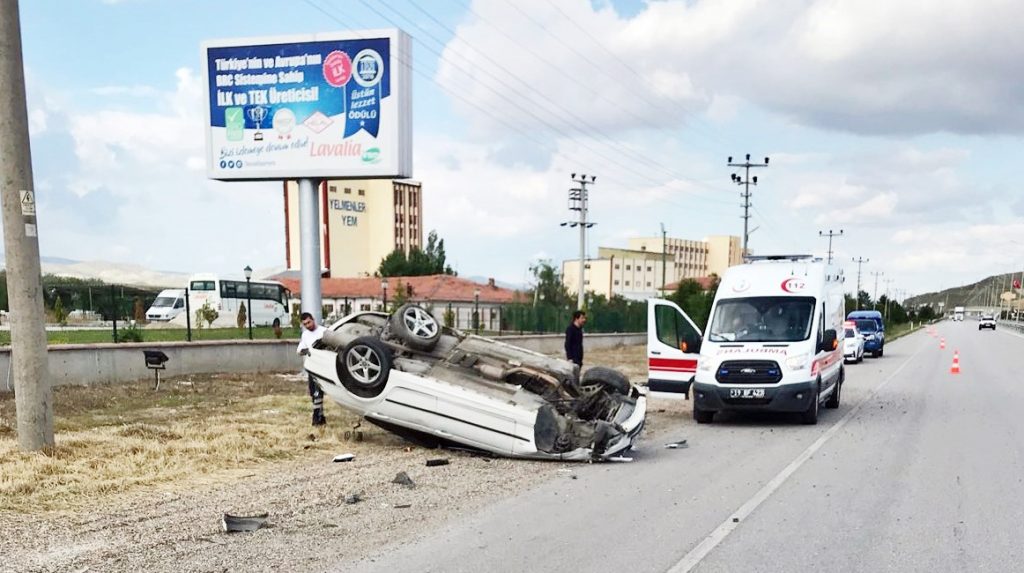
{"type": "Point", "coordinates": [898, 122]}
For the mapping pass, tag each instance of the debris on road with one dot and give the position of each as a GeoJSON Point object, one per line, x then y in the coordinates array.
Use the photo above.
{"type": "Point", "coordinates": [437, 462]}
{"type": "Point", "coordinates": [403, 506]}
{"type": "Point", "coordinates": [344, 457]}
{"type": "Point", "coordinates": [233, 523]}
{"type": "Point", "coordinates": [677, 445]}
{"type": "Point", "coordinates": [353, 498]}
{"type": "Point", "coordinates": [403, 478]}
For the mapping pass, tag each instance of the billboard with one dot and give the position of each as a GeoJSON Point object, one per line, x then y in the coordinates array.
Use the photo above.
{"type": "Point", "coordinates": [334, 105]}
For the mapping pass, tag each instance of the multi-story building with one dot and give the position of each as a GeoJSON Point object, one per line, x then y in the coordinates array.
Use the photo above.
{"type": "Point", "coordinates": [361, 221]}
{"type": "Point", "coordinates": [641, 270]}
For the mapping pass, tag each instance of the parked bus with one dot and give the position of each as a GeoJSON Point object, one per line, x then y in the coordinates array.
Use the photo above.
{"type": "Point", "coordinates": [226, 296]}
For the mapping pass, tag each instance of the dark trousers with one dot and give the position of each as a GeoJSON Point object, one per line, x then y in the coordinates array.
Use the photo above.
{"type": "Point", "coordinates": [317, 395]}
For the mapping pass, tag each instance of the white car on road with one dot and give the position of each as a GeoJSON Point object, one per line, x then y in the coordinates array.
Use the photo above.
{"type": "Point", "coordinates": [407, 374]}
{"type": "Point", "coordinates": [853, 344]}
{"type": "Point", "coordinates": [987, 321]}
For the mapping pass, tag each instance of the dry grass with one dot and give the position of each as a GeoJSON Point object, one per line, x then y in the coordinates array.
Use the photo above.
{"type": "Point", "coordinates": [114, 439]}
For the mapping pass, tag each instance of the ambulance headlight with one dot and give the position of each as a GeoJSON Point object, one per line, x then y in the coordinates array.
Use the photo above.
{"type": "Point", "coordinates": [798, 362]}
{"type": "Point", "coordinates": [704, 365]}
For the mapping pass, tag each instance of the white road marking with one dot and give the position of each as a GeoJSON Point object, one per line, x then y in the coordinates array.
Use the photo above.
{"type": "Point", "coordinates": [698, 553]}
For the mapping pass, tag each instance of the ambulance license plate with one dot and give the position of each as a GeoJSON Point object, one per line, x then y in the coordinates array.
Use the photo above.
{"type": "Point", "coordinates": [746, 393]}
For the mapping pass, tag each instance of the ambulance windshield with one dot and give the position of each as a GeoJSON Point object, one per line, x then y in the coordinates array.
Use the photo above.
{"type": "Point", "coordinates": [762, 319]}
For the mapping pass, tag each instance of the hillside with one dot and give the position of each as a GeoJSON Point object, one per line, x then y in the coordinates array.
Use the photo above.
{"type": "Point", "coordinates": [982, 293]}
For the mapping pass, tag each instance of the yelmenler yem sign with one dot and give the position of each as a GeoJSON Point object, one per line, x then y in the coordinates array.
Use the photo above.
{"type": "Point", "coordinates": [335, 105]}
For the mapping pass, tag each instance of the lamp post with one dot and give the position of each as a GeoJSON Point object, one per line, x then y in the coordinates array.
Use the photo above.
{"type": "Point", "coordinates": [476, 309]}
{"type": "Point", "coordinates": [248, 296]}
{"type": "Point", "coordinates": [384, 288]}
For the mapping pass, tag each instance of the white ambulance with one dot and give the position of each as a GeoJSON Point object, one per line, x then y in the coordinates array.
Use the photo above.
{"type": "Point", "coordinates": [773, 340]}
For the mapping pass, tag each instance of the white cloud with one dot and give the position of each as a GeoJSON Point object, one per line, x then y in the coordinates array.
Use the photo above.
{"type": "Point", "coordinates": [865, 66]}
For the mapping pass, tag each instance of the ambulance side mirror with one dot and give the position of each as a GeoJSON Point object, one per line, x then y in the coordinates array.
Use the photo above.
{"type": "Point", "coordinates": [690, 346]}
{"type": "Point", "coordinates": [829, 342]}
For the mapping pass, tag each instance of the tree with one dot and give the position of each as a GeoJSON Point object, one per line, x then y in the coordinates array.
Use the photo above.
{"type": "Point", "coordinates": [417, 262]}
{"type": "Point", "coordinates": [59, 314]}
{"type": "Point", "coordinates": [206, 313]}
{"type": "Point", "coordinates": [138, 310]}
{"type": "Point", "coordinates": [926, 313]}
{"type": "Point", "coordinates": [401, 295]}
{"type": "Point", "coordinates": [241, 318]}
{"type": "Point", "coordinates": [694, 300]}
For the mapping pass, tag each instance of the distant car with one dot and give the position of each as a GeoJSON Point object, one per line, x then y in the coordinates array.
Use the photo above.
{"type": "Point", "coordinates": [853, 344]}
{"type": "Point", "coordinates": [408, 374]}
{"type": "Point", "coordinates": [987, 321]}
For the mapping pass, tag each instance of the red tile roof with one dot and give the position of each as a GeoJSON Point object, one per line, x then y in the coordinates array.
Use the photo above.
{"type": "Point", "coordinates": [441, 288]}
{"type": "Point", "coordinates": [705, 283]}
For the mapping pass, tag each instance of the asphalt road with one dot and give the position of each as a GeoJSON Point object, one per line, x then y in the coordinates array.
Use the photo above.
{"type": "Point", "coordinates": [918, 470]}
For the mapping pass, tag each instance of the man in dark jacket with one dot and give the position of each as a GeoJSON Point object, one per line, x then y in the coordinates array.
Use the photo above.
{"type": "Point", "coordinates": [574, 338]}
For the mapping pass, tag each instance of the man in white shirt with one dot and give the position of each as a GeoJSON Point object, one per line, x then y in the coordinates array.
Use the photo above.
{"type": "Point", "coordinates": [312, 332]}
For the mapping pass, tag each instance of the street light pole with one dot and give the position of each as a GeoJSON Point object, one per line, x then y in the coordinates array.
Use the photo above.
{"type": "Point", "coordinates": [476, 309]}
{"type": "Point", "coordinates": [248, 296]}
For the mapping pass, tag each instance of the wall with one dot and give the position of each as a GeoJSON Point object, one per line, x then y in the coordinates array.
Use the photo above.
{"type": "Point", "coordinates": [107, 363]}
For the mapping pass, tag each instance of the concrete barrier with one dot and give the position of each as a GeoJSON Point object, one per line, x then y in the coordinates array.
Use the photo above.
{"type": "Point", "coordinates": [113, 363]}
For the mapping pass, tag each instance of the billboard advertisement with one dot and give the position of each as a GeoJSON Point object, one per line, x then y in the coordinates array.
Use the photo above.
{"type": "Point", "coordinates": [332, 105]}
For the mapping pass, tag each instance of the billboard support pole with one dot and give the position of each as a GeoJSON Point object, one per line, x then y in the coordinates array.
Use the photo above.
{"type": "Point", "coordinates": [309, 234]}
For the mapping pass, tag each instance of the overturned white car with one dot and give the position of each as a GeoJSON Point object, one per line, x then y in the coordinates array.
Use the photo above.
{"type": "Point", "coordinates": [408, 374]}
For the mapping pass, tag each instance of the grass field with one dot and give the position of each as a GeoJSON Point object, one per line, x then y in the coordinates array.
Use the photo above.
{"type": "Point", "coordinates": [116, 438]}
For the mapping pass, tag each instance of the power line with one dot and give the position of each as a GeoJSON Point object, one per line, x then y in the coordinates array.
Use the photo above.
{"type": "Point", "coordinates": [615, 56]}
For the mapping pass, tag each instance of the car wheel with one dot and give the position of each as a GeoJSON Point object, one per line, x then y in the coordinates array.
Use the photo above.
{"type": "Point", "coordinates": [861, 357]}
{"type": "Point", "coordinates": [881, 351]}
{"type": "Point", "coordinates": [416, 327]}
{"type": "Point", "coordinates": [703, 416]}
{"type": "Point", "coordinates": [277, 323]}
{"type": "Point", "coordinates": [608, 378]}
{"type": "Point", "coordinates": [810, 416]}
{"type": "Point", "coordinates": [833, 401]}
{"type": "Point", "coordinates": [364, 366]}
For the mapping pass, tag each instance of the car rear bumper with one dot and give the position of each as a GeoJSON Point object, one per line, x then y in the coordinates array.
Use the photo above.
{"type": "Point", "coordinates": [794, 397]}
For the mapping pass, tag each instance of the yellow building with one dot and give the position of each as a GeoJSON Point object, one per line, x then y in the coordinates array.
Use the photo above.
{"type": "Point", "coordinates": [639, 271]}
{"type": "Point", "coordinates": [361, 220]}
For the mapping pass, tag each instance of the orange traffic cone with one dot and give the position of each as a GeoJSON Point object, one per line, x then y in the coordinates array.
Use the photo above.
{"type": "Point", "coordinates": [942, 344]}
{"type": "Point", "coordinates": [955, 368]}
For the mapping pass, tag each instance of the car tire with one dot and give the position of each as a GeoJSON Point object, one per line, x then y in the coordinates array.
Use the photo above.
{"type": "Point", "coordinates": [276, 323]}
{"type": "Point", "coordinates": [416, 327]}
{"type": "Point", "coordinates": [833, 401]}
{"type": "Point", "coordinates": [703, 416]}
{"type": "Point", "coordinates": [810, 416]}
{"type": "Point", "coordinates": [609, 378]}
{"type": "Point", "coordinates": [364, 366]}
{"type": "Point", "coordinates": [881, 351]}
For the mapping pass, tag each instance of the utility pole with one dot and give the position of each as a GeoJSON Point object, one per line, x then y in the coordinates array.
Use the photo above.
{"type": "Point", "coordinates": [746, 181]}
{"type": "Point", "coordinates": [874, 303]}
{"type": "Point", "coordinates": [860, 261]}
{"type": "Point", "coordinates": [830, 235]}
{"type": "Point", "coordinates": [578, 200]}
{"type": "Point", "coordinates": [33, 397]}
{"type": "Point", "coordinates": [664, 253]}
{"type": "Point", "coordinates": [887, 296]}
